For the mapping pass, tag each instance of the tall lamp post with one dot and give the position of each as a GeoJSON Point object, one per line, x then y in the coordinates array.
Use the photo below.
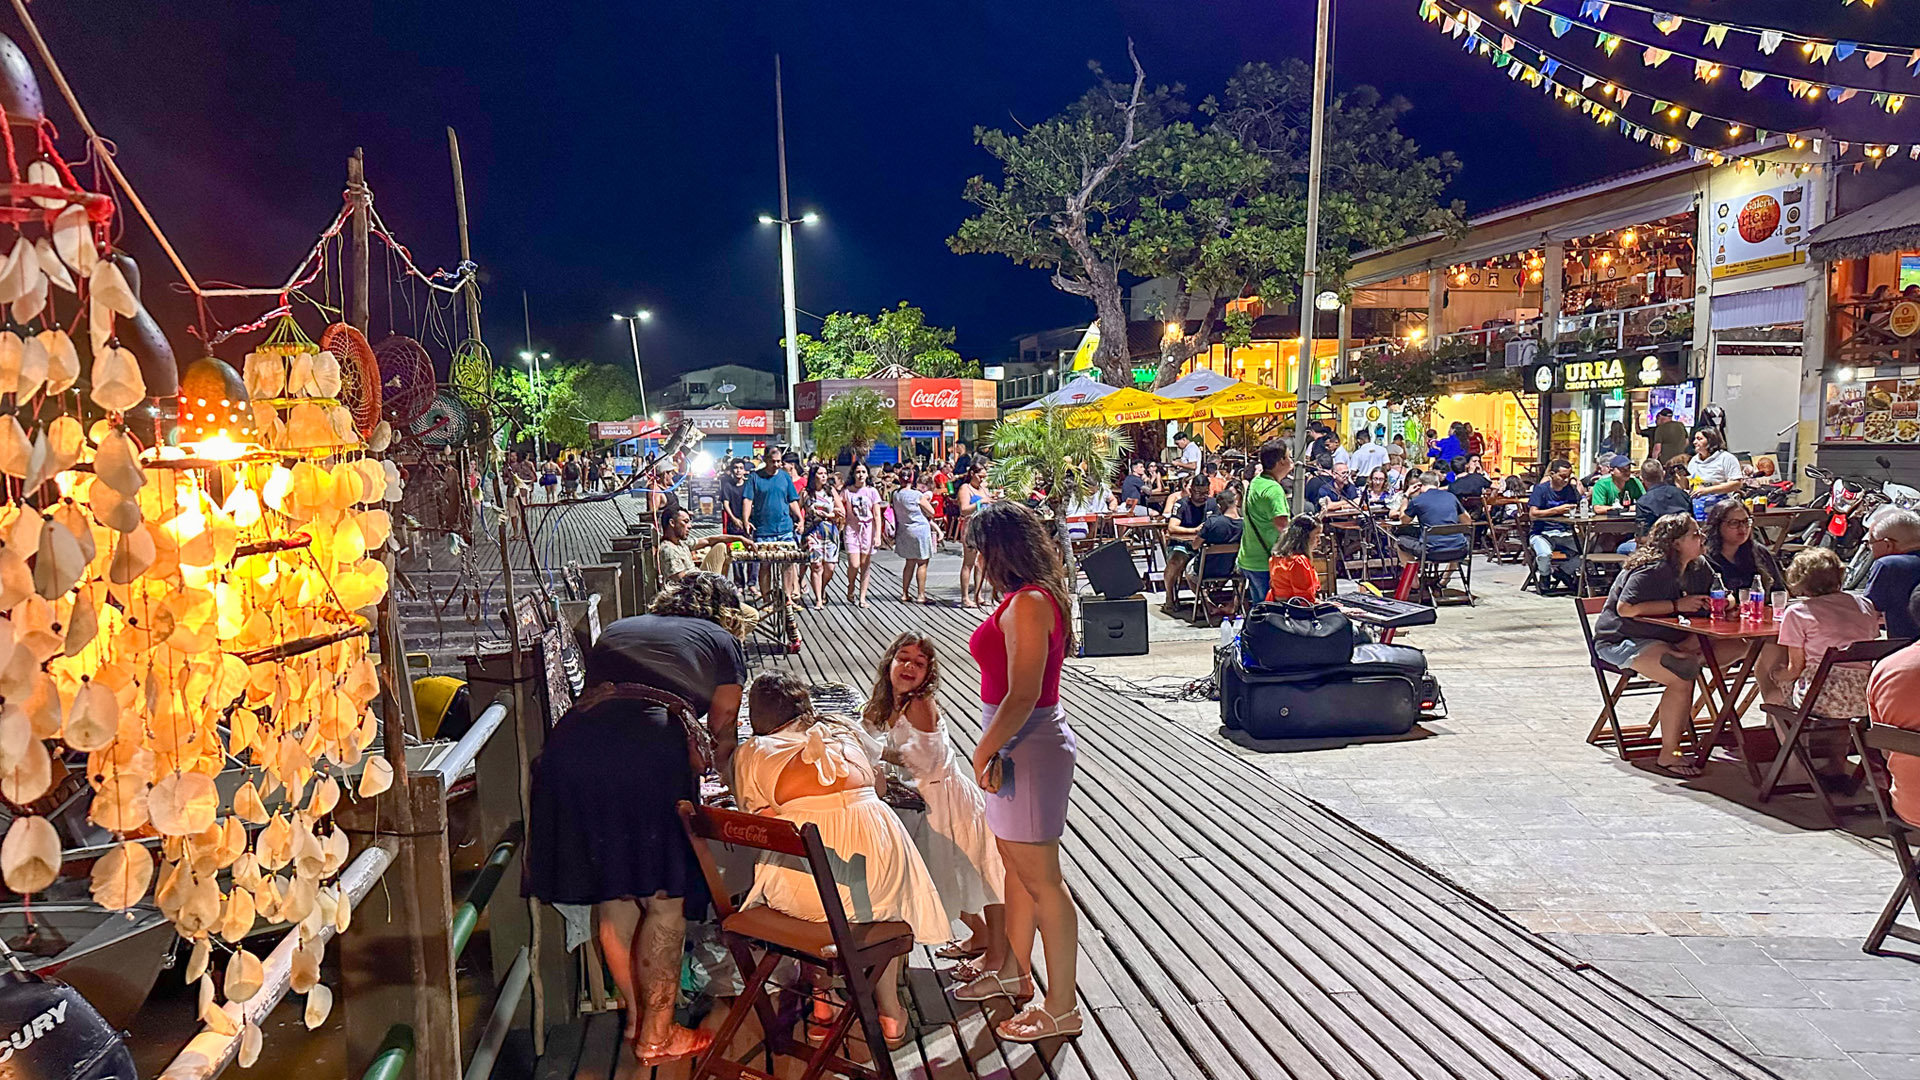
{"type": "Point", "coordinates": [533, 363]}
{"type": "Point", "coordinates": [633, 322]}
{"type": "Point", "coordinates": [786, 221]}
{"type": "Point", "coordinates": [1310, 271]}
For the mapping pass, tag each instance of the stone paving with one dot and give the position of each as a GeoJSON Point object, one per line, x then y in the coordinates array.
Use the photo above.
{"type": "Point", "coordinates": [1746, 919]}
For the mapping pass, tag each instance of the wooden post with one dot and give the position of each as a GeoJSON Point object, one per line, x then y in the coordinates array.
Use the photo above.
{"type": "Point", "coordinates": [509, 512]}
{"type": "Point", "coordinates": [396, 959]}
{"type": "Point", "coordinates": [396, 689]}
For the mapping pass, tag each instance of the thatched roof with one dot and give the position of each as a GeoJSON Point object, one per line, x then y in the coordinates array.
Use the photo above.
{"type": "Point", "coordinates": [1892, 224]}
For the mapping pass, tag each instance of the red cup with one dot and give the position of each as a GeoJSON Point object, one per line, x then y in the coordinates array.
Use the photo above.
{"type": "Point", "coordinates": [1717, 605]}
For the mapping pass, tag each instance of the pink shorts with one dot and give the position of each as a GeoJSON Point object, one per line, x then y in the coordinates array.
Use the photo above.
{"type": "Point", "coordinates": [858, 541]}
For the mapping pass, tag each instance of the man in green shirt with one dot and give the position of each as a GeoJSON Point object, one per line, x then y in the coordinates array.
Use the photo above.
{"type": "Point", "coordinates": [1619, 489]}
{"type": "Point", "coordinates": [1266, 516]}
{"type": "Point", "coordinates": [1666, 437]}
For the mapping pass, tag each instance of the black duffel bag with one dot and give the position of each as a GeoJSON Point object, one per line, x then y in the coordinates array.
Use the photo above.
{"type": "Point", "coordinates": [1295, 636]}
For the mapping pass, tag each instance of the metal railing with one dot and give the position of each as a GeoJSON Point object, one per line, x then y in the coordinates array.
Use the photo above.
{"type": "Point", "coordinates": [1624, 329]}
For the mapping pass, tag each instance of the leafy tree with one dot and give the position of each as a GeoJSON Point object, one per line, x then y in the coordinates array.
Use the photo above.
{"type": "Point", "coordinates": [853, 345]}
{"type": "Point", "coordinates": [854, 421]}
{"type": "Point", "coordinates": [514, 408]}
{"type": "Point", "coordinates": [1066, 197]}
{"type": "Point", "coordinates": [1045, 453]}
{"type": "Point", "coordinates": [1113, 188]}
{"type": "Point", "coordinates": [575, 393]}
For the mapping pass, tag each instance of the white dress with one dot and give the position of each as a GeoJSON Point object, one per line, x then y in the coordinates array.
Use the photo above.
{"type": "Point", "coordinates": [879, 873]}
{"type": "Point", "coordinates": [958, 847]}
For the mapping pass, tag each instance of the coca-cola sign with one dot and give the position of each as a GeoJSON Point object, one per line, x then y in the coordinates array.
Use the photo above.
{"type": "Point", "coordinates": [725, 421]}
{"type": "Point", "coordinates": [929, 399]}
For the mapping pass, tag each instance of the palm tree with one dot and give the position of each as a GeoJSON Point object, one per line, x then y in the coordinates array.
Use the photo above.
{"type": "Point", "coordinates": [854, 421]}
{"type": "Point", "coordinates": [1067, 461]}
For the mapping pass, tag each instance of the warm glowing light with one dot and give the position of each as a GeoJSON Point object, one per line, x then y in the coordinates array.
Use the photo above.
{"type": "Point", "coordinates": [217, 448]}
{"type": "Point", "coordinates": [1173, 329]}
{"type": "Point", "coordinates": [1606, 258]}
{"type": "Point", "coordinates": [1674, 113]}
{"type": "Point", "coordinates": [1416, 333]}
{"type": "Point", "coordinates": [1457, 395]}
{"type": "Point", "coordinates": [702, 464]}
{"type": "Point", "coordinates": [1629, 238]}
{"type": "Point", "coordinates": [1535, 276]}
{"type": "Point", "coordinates": [1733, 131]}
{"type": "Point", "coordinates": [1845, 374]}
{"type": "Point", "coordinates": [1807, 47]}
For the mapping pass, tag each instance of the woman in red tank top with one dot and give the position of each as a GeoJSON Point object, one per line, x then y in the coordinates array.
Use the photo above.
{"type": "Point", "coordinates": [1020, 649]}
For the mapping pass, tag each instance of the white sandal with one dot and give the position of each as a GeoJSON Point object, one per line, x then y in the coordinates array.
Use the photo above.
{"type": "Point", "coordinates": [991, 985]}
{"type": "Point", "coordinates": [1040, 1025]}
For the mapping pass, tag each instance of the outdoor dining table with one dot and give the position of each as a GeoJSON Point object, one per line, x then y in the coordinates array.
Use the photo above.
{"type": "Point", "coordinates": [1726, 684]}
{"type": "Point", "coordinates": [1146, 534]}
{"type": "Point", "coordinates": [1781, 518]}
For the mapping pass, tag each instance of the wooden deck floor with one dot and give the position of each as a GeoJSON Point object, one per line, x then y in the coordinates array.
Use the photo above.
{"type": "Point", "coordinates": [1234, 930]}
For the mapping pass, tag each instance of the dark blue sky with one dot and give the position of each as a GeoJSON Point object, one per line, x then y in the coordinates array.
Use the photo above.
{"type": "Point", "coordinates": [618, 155]}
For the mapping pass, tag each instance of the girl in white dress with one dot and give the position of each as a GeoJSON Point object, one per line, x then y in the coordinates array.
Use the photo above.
{"type": "Point", "coordinates": [805, 768]}
{"type": "Point", "coordinates": [955, 842]}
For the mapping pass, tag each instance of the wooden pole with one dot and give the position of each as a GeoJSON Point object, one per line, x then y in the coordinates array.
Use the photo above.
{"type": "Point", "coordinates": [509, 512]}
{"type": "Point", "coordinates": [396, 691]}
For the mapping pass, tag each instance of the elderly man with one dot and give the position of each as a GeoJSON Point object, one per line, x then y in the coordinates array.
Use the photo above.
{"type": "Point", "coordinates": [1894, 533]}
{"type": "Point", "coordinates": [1893, 698]}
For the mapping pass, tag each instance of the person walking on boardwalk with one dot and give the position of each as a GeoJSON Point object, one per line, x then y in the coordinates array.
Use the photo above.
{"type": "Point", "coordinates": [1025, 762]}
{"type": "Point", "coordinates": [604, 829]}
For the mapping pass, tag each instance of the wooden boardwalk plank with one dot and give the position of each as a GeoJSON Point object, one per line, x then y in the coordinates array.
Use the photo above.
{"type": "Point", "coordinates": [1233, 928]}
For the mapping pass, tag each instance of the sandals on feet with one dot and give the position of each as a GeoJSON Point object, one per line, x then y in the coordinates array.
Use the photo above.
{"type": "Point", "coordinates": [959, 950]}
{"type": "Point", "coordinates": [991, 985]}
{"type": "Point", "coordinates": [1034, 1024]}
{"type": "Point", "coordinates": [679, 1043]}
{"type": "Point", "coordinates": [1683, 769]}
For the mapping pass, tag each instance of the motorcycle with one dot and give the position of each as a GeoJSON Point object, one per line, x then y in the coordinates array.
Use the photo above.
{"type": "Point", "coordinates": [1850, 505]}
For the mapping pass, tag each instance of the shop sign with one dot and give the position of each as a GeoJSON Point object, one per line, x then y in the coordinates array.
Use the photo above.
{"type": "Point", "coordinates": [613, 430]}
{"type": "Point", "coordinates": [1904, 319]}
{"type": "Point", "coordinates": [1762, 231]}
{"type": "Point", "coordinates": [930, 399]}
{"type": "Point", "coordinates": [1576, 376]}
{"type": "Point", "coordinates": [725, 421]}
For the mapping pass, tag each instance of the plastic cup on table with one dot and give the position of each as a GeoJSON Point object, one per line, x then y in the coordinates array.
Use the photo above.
{"type": "Point", "coordinates": [1779, 605]}
{"type": "Point", "coordinates": [1717, 604]}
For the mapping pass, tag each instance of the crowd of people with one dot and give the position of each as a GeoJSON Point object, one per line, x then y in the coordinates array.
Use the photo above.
{"type": "Point", "coordinates": [572, 473]}
{"type": "Point", "coordinates": [979, 875]}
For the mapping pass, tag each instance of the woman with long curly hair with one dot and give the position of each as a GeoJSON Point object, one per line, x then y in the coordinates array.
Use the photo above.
{"type": "Point", "coordinates": [1025, 761]}
{"type": "Point", "coordinates": [604, 830]}
{"type": "Point", "coordinates": [1653, 582]}
{"type": "Point", "coordinates": [956, 844]}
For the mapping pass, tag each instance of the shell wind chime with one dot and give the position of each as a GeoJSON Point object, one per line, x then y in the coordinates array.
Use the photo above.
{"type": "Point", "coordinates": [173, 612]}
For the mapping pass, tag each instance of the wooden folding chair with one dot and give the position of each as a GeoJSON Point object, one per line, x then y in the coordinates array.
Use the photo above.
{"type": "Point", "coordinates": [1203, 585]}
{"type": "Point", "coordinates": [1636, 740]}
{"type": "Point", "coordinates": [1869, 740]}
{"type": "Point", "coordinates": [1434, 576]}
{"type": "Point", "coordinates": [1796, 725]}
{"type": "Point", "coordinates": [855, 952]}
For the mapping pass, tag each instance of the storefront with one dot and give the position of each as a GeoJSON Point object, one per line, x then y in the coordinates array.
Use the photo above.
{"type": "Point", "coordinates": [1599, 406]}
{"type": "Point", "coordinates": [739, 432]}
{"type": "Point", "coordinates": [930, 411]}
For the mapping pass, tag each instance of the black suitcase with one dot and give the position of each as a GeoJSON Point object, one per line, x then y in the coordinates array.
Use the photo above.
{"type": "Point", "coordinates": [1333, 706]}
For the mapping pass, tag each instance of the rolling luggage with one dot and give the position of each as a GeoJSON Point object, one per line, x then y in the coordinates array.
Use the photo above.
{"type": "Point", "coordinates": [1382, 690]}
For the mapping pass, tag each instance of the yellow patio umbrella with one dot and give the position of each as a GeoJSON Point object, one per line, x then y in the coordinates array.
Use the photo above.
{"type": "Point", "coordinates": [1243, 399]}
{"type": "Point", "coordinates": [1128, 405]}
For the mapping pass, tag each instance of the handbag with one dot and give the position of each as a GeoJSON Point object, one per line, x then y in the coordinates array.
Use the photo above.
{"type": "Point", "coordinates": [1295, 636]}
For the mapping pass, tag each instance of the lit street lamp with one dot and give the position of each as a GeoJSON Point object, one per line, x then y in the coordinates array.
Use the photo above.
{"type": "Point", "coordinates": [533, 362]}
{"type": "Point", "coordinates": [633, 322]}
{"type": "Point", "coordinates": [787, 221]}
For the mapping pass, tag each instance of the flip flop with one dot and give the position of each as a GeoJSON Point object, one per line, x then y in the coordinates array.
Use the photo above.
{"type": "Point", "coordinates": [958, 951]}
{"type": "Point", "coordinates": [1679, 770]}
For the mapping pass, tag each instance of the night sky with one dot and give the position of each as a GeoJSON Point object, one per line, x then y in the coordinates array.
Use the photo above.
{"type": "Point", "coordinates": [617, 156]}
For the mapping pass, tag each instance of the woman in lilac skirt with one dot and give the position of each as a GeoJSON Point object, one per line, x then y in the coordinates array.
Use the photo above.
{"type": "Point", "coordinates": [1020, 648]}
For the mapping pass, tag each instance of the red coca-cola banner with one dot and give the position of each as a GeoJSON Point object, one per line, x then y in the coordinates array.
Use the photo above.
{"type": "Point", "coordinates": [910, 399]}
{"type": "Point", "coordinates": [929, 399]}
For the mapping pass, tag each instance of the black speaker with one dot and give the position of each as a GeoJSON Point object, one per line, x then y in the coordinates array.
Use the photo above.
{"type": "Point", "coordinates": [1110, 570]}
{"type": "Point", "coordinates": [1113, 627]}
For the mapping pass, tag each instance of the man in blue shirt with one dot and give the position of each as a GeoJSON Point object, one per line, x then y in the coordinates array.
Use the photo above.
{"type": "Point", "coordinates": [1133, 487]}
{"type": "Point", "coordinates": [1553, 498]}
{"type": "Point", "coordinates": [772, 505]}
{"type": "Point", "coordinates": [1895, 536]}
{"type": "Point", "coordinates": [1430, 506]}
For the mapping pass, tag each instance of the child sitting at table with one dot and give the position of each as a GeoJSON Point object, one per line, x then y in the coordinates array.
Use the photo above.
{"type": "Point", "coordinates": [1825, 617]}
{"type": "Point", "coordinates": [1290, 568]}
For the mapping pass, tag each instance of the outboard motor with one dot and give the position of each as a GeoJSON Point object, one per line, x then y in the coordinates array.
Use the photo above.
{"type": "Point", "coordinates": [49, 1032]}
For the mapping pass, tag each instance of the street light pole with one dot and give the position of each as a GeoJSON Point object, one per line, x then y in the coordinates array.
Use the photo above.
{"type": "Point", "coordinates": [633, 322]}
{"type": "Point", "coordinates": [786, 247]}
{"type": "Point", "coordinates": [1310, 270]}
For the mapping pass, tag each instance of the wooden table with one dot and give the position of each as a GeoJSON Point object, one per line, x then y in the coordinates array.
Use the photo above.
{"type": "Point", "coordinates": [1146, 534]}
{"type": "Point", "coordinates": [1729, 681]}
{"type": "Point", "coordinates": [1590, 527]}
{"type": "Point", "coordinates": [1781, 518]}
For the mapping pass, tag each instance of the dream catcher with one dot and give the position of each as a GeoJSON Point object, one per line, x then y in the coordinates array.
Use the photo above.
{"type": "Point", "coordinates": [472, 375]}
{"type": "Point", "coordinates": [359, 375]}
{"type": "Point", "coordinates": [406, 380]}
{"type": "Point", "coordinates": [445, 422]}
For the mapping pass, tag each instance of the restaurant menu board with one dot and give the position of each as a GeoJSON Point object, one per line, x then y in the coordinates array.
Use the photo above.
{"type": "Point", "coordinates": [1874, 411]}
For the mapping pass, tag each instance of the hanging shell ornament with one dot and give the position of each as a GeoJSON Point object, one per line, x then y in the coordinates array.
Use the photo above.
{"type": "Point", "coordinates": [182, 803]}
{"type": "Point", "coordinates": [33, 364]}
{"type": "Point", "coordinates": [108, 286]}
{"type": "Point", "coordinates": [63, 360]}
{"type": "Point", "coordinates": [117, 382]}
{"type": "Point", "coordinates": [319, 1005]}
{"type": "Point", "coordinates": [73, 240]}
{"type": "Point", "coordinates": [30, 855]}
{"type": "Point", "coordinates": [121, 877]}
{"type": "Point", "coordinates": [251, 1041]}
{"type": "Point", "coordinates": [245, 975]}
{"type": "Point", "coordinates": [51, 266]}
{"type": "Point", "coordinates": [377, 778]}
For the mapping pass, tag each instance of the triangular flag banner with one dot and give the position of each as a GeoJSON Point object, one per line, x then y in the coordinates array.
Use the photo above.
{"type": "Point", "coordinates": [1506, 43]}
{"type": "Point", "coordinates": [1587, 81]}
{"type": "Point", "coordinates": [1559, 25]}
{"type": "Point", "coordinates": [1843, 146]}
{"type": "Point", "coordinates": [1751, 79]}
{"type": "Point", "coordinates": [1549, 68]}
{"type": "Point", "coordinates": [1446, 25]}
{"type": "Point", "coordinates": [1895, 103]}
{"type": "Point", "coordinates": [1823, 52]}
{"type": "Point", "coordinates": [1513, 70]}
{"type": "Point", "coordinates": [1429, 10]}
{"type": "Point", "coordinates": [1473, 22]}
{"type": "Point", "coordinates": [1610, 42]}
{"type": "Point", "coordinates": [1459, 27]}
{"type": "Point", "coordinates": [1593, 9]}
{"type": "Point", "coordinates": [1914, 153]}
{"type": "Point", "coordinates": [1844, 49]}
{"type": "Point", "coordinates": [1847, 94]}
{"type": "Point", "coordinates": [1816, 146]}
{"type": "Point", "coordinates": [1874, 59]}
{"type": "Point", "coordinates": [1655, 57]}
{"type": "Point", "coordinates": [1659, 106]}
{"type": "Point", "coordinates": [1625, 97]}
{"type": "Point", "coordinates": [1770, 40]}
{"type": "Point", "coordinates": [1501, 59]}
{"type": "Point", "coordinates": [1513, 12]}
{"type": "Point", "coordinates": [1693, 118]}
{"type": "Point", "coordinates": [1893, 149]}
{"type": "Point", "coordinates": [1666, 24]}
{"type": "Point", "coordinates": [1702, 70]}
{"type": "Point", "coordinates": [1716, 35]}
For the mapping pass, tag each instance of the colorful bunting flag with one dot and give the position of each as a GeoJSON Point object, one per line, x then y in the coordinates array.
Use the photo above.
{"type": "Point", "coordinates": [1593, 9]}
{"type": "Point", "coordinates": [1844, 49]}
{"type": "Point", "coordinates": [1587, 81]}
{"type": "Point", "coordinates": [1770, 40]}
{"type": "Point", "coordinates": [1716, 35]}
{"type": "Point", "coordinates": [1823, 52]}
{"type": "Point", "coordinates": [1704, 70]}
{"type": "Point", "coordinates": [1506, 43]}
{"type": "Point", "coordinates": [1654, 57]}
{"type": "Point", "coordinates": [1665, 23]}
{"type": "Point", "coordinates": [1751, 79]}
{"type": "Point", "coordinates": [1559, 25]}
{"type": "Point", "coordinates": [1875, 59]}
{"type": "Point", "coordinates": [1693, 118]}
